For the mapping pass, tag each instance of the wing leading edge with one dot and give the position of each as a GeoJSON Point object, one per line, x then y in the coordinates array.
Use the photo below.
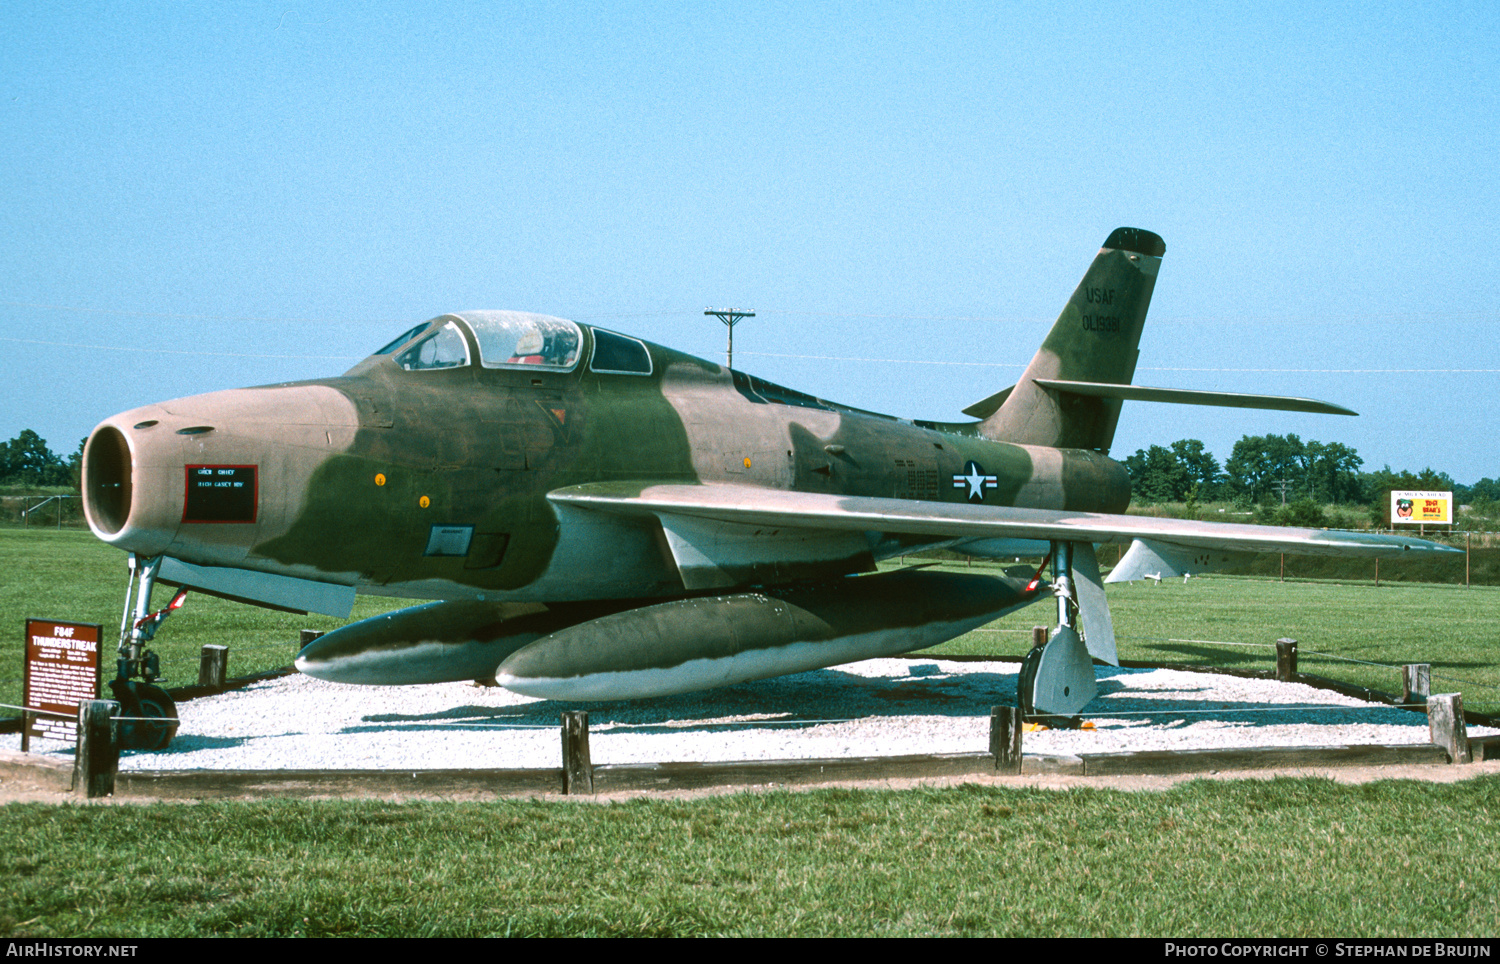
{"type": "Point", "coordinates": [752, 506]}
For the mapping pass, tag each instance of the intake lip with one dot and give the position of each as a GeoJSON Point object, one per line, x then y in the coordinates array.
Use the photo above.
{"type": "Point", "coordinates": [107, 481]}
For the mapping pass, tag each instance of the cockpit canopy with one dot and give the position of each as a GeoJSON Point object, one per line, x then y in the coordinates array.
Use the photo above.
{"type": "Point", "coordinates": [506, 339]}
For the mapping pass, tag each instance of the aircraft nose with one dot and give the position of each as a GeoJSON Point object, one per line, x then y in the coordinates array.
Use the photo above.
{"type": "Point", "coordinates": [189, 476]}
{"type": "Point", "coordinates": [128, 494]}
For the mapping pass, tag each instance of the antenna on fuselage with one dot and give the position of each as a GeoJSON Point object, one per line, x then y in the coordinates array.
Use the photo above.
{"type": "Point", "coordinates": [729, 316]}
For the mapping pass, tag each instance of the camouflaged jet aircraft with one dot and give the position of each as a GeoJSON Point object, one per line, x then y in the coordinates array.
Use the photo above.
{"type": "Point", "coordinates": [597, 517]}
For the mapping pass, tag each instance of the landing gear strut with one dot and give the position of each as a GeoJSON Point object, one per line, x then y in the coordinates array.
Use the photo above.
{"type": "Point", "coordinates": [141, 699]}
{"type": "Point", "coordinates": [1057, 678]}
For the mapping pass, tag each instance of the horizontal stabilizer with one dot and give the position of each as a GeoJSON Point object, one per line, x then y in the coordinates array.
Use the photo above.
{"type": "Point", "coordinates": [1185, 396]}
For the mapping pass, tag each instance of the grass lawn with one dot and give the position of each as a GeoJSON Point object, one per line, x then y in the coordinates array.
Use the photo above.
{"type": "Point", "coordinates": [1252, 858]}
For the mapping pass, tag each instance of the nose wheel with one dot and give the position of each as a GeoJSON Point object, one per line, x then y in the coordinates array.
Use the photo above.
{"type": "Point", "coordinates": [149, 703]}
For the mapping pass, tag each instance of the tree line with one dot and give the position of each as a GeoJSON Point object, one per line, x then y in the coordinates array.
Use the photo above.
{"type": "Point", "coordinates": [1287, 478]}
{"type": "Point", "coordinates": [27, 461]}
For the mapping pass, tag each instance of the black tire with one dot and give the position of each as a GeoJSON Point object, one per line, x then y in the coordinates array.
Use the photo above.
{"type": "Point", "coordinates": [1026, 686]}
{"type": "Point", "coordinates": [139, 699]}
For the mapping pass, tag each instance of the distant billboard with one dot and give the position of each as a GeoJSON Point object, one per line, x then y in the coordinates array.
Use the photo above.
{"type": "Point", "coordinates": [1432, 508]}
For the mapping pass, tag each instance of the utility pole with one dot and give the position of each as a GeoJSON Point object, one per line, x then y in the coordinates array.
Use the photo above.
{"type": "Point", "coordinates": [1283, 485]}
{"type": "Point", "coordinates": [730, 317]}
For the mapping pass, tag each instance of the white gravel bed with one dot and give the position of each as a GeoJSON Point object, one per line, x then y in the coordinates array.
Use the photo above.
{"type": "Point", "coordinates": [876, 707]}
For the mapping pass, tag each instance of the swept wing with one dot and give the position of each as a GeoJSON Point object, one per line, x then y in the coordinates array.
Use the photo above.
{"type": "Point", "coordinates": [749, 505]}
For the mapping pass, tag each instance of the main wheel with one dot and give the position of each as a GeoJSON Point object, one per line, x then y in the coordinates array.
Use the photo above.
{"type": "Point", "coordinates": [140, 699]}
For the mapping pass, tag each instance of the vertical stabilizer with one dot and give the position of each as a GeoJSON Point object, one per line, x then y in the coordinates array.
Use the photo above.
{"type": "Point", "coordinates": [1095, 339]}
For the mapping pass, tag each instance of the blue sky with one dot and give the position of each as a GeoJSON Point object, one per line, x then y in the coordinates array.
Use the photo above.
{"type": "Point", "coordinates": [203, 196]}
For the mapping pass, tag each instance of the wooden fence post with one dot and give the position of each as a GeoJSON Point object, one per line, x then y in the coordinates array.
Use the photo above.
{"type": "Point", "coordinates": [1005, 738]}
{"type": "Point", "coordinates": [1286, 660]}
{"type": "Point", "coordinates": [578, 771]}
{"type": "Point", "coordinates": [1416, 683]}
{"type": "Point", "coordinates": [213, 665]}
{"type": "Point", "coordinates": [98, 756]}
{"type": "Point", "coordinates": [1445, 721]}
{"type": "Point", "coordinates": [1038, 636]}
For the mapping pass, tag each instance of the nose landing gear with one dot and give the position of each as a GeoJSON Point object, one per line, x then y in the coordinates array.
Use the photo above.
{"type": "Point", "coordinates": [142, 702]}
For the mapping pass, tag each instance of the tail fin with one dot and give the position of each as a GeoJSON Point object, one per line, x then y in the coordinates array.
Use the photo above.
{"type": "Point", "coordinates": [1095, 339]}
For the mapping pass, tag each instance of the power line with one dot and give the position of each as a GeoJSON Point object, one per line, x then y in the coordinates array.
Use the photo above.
{"type": "Point", "coordinates": [1337, 371]}
{"type": "Point", "coordinates": [836, 358]}
{"type": "Point", "coordinates": [1435, 315]}
{"type": "Point", "coordinates": [1145, 368]}
{"type": "Point", "coordinates": [891, 361]}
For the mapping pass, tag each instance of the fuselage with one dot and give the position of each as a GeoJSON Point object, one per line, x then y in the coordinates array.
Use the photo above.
{"type": "Point", "coordinates": [424, 471]}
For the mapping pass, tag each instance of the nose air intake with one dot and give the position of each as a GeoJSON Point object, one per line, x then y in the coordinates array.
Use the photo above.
{"type": "Point", "coordinates": [107, 480]}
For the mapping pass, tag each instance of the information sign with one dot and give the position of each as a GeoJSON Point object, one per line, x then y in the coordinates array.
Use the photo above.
{"type": "Point", "coordinates": [62, 670]}
{"type": "Point", "coordinates": [1431, 508]}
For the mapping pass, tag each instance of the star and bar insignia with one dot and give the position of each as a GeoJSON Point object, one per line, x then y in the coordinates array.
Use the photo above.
{"type": "Point", "coordinates": [975, 479]}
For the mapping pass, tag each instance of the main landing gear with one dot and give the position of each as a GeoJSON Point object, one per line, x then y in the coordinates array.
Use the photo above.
{"type": "Point", "coordinates": [1057, 678]}
{"type": "Point", "coordinates": [142, 702]}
